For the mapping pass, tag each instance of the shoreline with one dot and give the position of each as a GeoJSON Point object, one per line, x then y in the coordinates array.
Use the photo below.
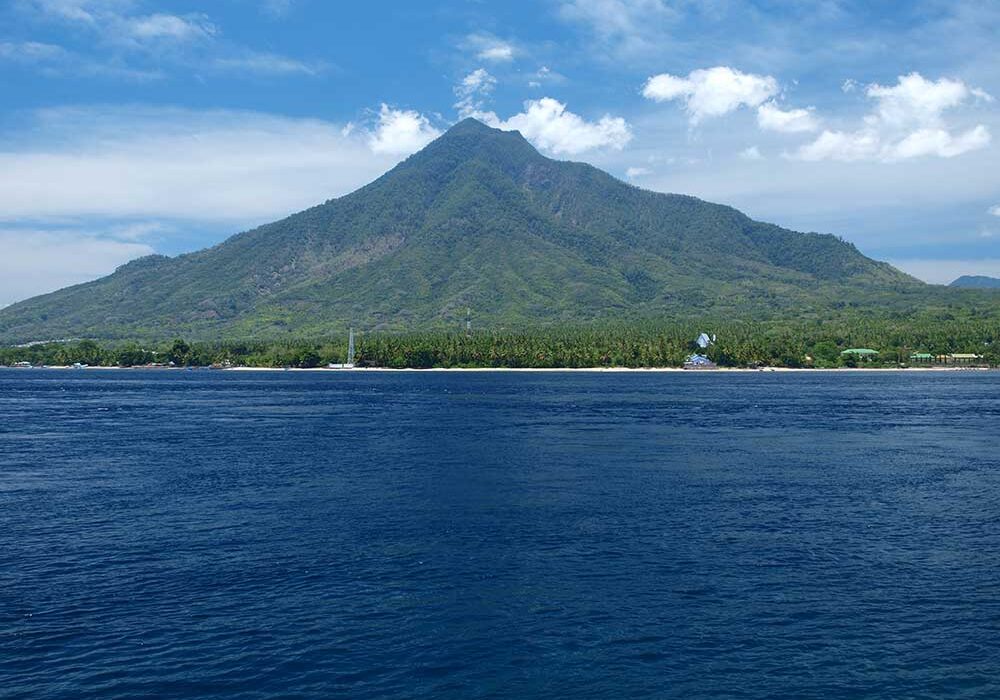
{"type": "Point", "coordinates": [592, 370]}
{"type": "Point", "coordinates": [611, 370]}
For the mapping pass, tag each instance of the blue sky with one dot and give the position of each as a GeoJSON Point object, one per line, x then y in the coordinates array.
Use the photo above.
{"type": "Point", "coordinates": [134, 126]}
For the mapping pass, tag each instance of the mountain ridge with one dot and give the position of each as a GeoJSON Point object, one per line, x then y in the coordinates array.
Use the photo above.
{"type": "Point", "coordinates": [976, 282]}
{"type": "Point", "coordinates": [476, 220]}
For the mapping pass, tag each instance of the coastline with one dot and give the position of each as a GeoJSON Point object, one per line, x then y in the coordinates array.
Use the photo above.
{"type": "Point", "coordinates": [611, 370]}
{"type": "Point", "coordinates": [592, 370]}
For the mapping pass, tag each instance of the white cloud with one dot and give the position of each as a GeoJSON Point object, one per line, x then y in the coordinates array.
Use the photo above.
{"type": "Point", "coordinates": [545, 76]}
{"type": "Point", "coordinates": [31, 52]}
{"type": "Point", "coordinates": [122, 39]}
{"type": "Point", "coordinates": [115, 21]}
{"type": "Point", "coordinates": [489, 48]}
{"type": "Point", "coordinates": [843, 146]}
{"type": "Point", "coordinates": [772, 118]}
{"type": "Point", "coordinates": [550, 126]}
{"type": "Point", "coordinates": [401, 132]}
{"type": "Point", "coordinates": [153, 163]}
{"type": "Point", "coordinates": [667, 87]}
{"type": "Point", "coordinates": [499, 52]}
{"type": "Point", "coordinates": [907, 122]}
{"type": "Point", "coordinates": [915, 101]}
{"type": "Point", "coordinates": [994, 210]}
{"type": "Point", "coordinates": [636, 172]}
{"type": "Point", "coordinates": [629, 27]}
{"type": "Point", "coordinates": [712, 92]}
{"type": "Point", "coordinates": [267, 64]}
{"type": "Point", "coordinates": [39, 261]}
{"type": "Point", "coordinates": [473, 91]}
{"type": "Point", "coordinates": [751, 153]}
{"type": "Point", "coordinates": [54, 60]}
{"type": "Point", "coordinates": [84, 190]}
{"type": "Point", "coordinates": [938, 142]}
{"type": "Point", "coordinates": [612, 16]}
{"type": "Point", "coordinates": [86, 11]}
{"type": "Point", "coordinates": [981, 94]}
{"type": "Point", "coordinates": [496, 53]}
{"type": "Point", "coordinates": [169, 27]}
{"type": "Point", "coordinates": [545, 122]}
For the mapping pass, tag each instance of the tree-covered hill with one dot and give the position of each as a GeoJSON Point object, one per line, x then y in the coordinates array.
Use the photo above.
{"type": "Point", "coordinates": [976, 282]}
{"type": "Point", "coordinates": [480, 221]}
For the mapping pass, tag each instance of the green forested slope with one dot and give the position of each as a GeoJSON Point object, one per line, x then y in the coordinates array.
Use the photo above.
{"type": "Point", "coordinates": [480, 220]}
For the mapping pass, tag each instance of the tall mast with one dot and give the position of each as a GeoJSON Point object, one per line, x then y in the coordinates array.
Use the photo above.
{"type": "Point", "coordinates": [350, 348]}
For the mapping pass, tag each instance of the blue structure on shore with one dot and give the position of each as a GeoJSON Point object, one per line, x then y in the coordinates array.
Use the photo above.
{"type": "Point", "coordinates": [697, 361]}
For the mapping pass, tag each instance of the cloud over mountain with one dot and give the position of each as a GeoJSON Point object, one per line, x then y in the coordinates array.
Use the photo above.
{"type": "Point", "coordinates": [908, 121]}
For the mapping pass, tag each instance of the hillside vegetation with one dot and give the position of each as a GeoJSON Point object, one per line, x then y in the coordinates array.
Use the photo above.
{"type": "Point", "coordinates": [641, 344]}
{"type": "Point", "coordinates": [480, 222]}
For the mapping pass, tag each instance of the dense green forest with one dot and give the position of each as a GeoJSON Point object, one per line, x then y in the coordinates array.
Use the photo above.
{"type": "Point", "coordinates": [778, 344]}
{"type": "Point", "coordinates": [480, 220]}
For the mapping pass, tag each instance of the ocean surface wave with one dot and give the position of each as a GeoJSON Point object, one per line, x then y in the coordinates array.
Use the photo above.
{"type": "Point", "coordinates": [245, 535]}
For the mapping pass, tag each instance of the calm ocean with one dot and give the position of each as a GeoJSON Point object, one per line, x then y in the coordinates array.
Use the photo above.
{"type": "Point", "coordinates": [459, 535]}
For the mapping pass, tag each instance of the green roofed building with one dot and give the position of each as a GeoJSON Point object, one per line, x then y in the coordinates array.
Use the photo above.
{"type": "Point", "coordinates": [861, 352]}
{"type": "Point", "coordinates": [921, 357]}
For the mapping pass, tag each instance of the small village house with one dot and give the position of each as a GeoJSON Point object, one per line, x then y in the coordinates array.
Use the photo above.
{"type": "Point", "coordinates": [697, 361]}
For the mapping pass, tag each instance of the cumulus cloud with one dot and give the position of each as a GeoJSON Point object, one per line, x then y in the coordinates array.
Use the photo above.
{"type": "Point", "coordinates": [994, 210]}
{"type": "Point", "coordinates": [636, 172]}
{"type": "Point", "coordinates": [908, 121]}
{"type": "Point", "coordinates": [751, 153]}
{"type": "Point", "coordinates": [40, 261]}
{"type": "Point", "coordinates": [545, 122]}
{"type": "Point", "coordinates": [916, 101]}
{"type": "Point", "coordinates": [772, 118]}
{"type": "Point", "coordinates": [401, 132]}
{"type": "Point", "coordinates": [550, 126]}
{"type": "Point", "coordinates": [221, 166]}
{"type": "Point", "coordinates": [712, 92]}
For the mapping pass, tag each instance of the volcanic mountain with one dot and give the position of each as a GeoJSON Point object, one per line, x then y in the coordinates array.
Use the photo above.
{"type": "Point", "coordinates": [478, 220]}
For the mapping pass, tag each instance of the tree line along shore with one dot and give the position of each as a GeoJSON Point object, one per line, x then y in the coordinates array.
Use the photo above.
{"type": "Point", "coordinates": [814, 344]}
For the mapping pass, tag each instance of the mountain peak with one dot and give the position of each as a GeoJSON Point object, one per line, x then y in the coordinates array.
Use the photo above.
{"type": "Point", "coordinates": [976, 282]}
{"type": "Point", "coordinates": [479, 220]}
{"type": "Point", "coordinates": [472, 140]}
{"type": "Point", "coordinates": [470, 126]}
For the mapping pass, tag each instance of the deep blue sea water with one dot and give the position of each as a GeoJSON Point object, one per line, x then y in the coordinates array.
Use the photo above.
{"type": "Point", "coordinates": [456, 535]}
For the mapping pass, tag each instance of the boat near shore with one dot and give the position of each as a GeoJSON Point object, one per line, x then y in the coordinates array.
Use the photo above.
{"type": "Point", "coordinates": [350, 355]}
